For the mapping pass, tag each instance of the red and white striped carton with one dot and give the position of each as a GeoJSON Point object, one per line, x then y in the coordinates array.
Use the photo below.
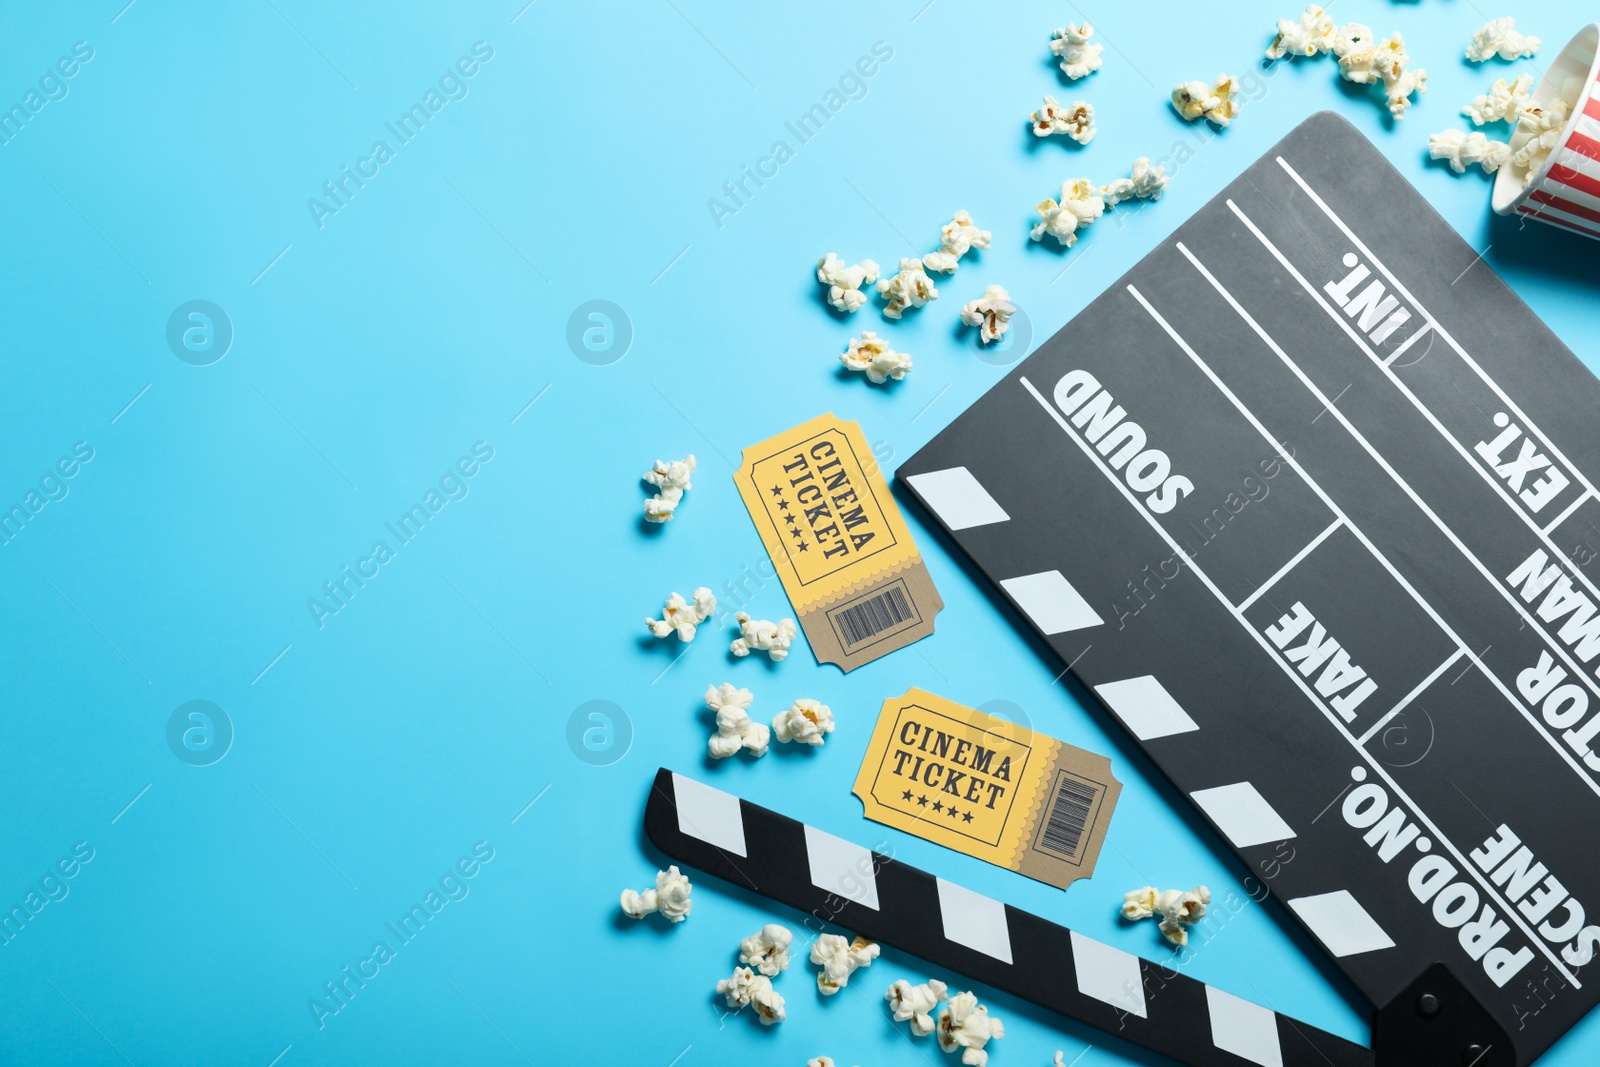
{"type": "Point", "coordinates": [1565, 190]}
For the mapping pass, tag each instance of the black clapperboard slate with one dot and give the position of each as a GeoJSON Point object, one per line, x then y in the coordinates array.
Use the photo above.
{"type": "Point", "coordinates": [1307, 501]}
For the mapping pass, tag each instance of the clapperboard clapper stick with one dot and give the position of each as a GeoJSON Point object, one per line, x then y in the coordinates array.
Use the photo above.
{"type": "Point", "coordinates": [835, 881]}
{"type": "Point", "coordinates": [1306, 500]}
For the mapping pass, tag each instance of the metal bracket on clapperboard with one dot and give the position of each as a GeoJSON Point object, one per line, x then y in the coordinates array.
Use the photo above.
{"type": "Point", "coordinates": [1434, 1023]}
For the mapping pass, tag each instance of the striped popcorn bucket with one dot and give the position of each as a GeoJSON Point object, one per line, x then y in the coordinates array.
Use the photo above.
{"type": "Point", "coordinates": [1565, 190]}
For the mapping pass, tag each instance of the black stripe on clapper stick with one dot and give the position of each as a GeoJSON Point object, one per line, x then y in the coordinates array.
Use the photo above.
{"type": "Point", "coordinates": [775, 865]}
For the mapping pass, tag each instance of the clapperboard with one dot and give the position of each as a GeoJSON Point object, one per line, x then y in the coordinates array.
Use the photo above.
{"type": "Point", "coordinates": [1306, 500]}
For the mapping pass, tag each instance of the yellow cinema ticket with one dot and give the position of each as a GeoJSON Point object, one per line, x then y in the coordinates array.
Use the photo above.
{"type": "Point", "coordinates": [838, 542]}
{"type": "Point", "coordinates": [988, 788]}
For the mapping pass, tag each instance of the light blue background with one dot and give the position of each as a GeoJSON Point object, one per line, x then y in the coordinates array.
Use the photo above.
{"type": "Point", "coordinates": [370, 353]}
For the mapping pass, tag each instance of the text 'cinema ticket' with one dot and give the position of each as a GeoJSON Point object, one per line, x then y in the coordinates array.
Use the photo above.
{"type": "Point", "coordinates": [838, 542]}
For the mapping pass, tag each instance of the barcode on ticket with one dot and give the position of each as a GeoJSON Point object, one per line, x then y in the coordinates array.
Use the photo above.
{"type": "Point", "coordinates": [1070, 818]}
{"type": "Point", "coordinates": [886, 611]}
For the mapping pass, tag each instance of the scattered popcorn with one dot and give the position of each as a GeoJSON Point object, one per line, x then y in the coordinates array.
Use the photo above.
{"type": "Point", "coordinates": [739, 989]}
{"type": "Point", "coordinates": [681, 617]}
{"type": "Point", "coordinates": [1076, 120]}
{"type": "Point", "coordinates": [1176, 909]}
{"type": "Point", "coordinates": [1462, 149]}
{"type": "Point", "coordinates": [806, 721]}
{"type": "Point", "coordinates": [872, 354]}
{"type": "Point", "coordinates": [1311, 35]}
{"type": "Point", "coordinates": [844, 282]}
{"type": "Point", "coordinates": [991, 313]}
{"type": "Point", "coordinates": [746, 988]}
{"type": "Point", "coordinates": [820, 1061]}
{"type": "Point", "coordinates": [672, 479]}
{"type": "Point", "coordinates": [1139, 903]}
{"type": "Point", "coordinates": [915, 1003]}
{"type": "Point", "coordinates": [960, 236]}
{"type": "Point", "coordinates": [1353, 44]}
{"type": "Point", "coordinates": [772, 638]}
{"type": "Point", "coordinates": [1399, 90]}
{"type": "Point", "coordinates": [1071, 45]}
{"type": "Point", "coordinates": [957, 237]}
{"type": "Point", "coordinates": [840, 959]}
{"type": "Point", "coordinates": [767, 950]}
{"type": "Point", "coordinates": [911, 288]}
{"type": "Point", "coordinates": [734, 728]}
{"type": "Point", "coordinates": [1146, 182]}
{"type": "Point", "coordinates": [1498, 38]}
{"type": "Point", "coordinates": [967, 1025]}
{"type": "Point", "coordinates": [670, 897]}
{"type": "Point", "coordinates": [1218, 101]}
{"type": "Point", "coordinates": [1366, 61]}
{"type": "Point", "coordinates": [1186, 908]}
{"type": "Point", "coordinates": [1080, 205]}
{"type": "Point", "coordinates": [1502, 103]}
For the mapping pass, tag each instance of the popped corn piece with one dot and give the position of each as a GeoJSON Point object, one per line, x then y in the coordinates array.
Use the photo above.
{"type": "Point", "coordinates": [870, 353]}
{"type": "Point", "coordinates": [1076, 120]}
{"type": "Point", "coordinates": [1462, 149]}
{"type": "Point", "coordinates": [1118, 190]}
{"type": "Point", "coordinates": [1146, 182]}
{"type": "Point", "coordinates": [738, 989]}
{"type": "Point", "coordinates": [820, 1061]}
{"type": "Point", "coordinates": [1177, 910]}
{"type": "Point", "coordinates": [1079, 58]}
{"type": "Point", "coordinates": [1190, 99]}
{"type": "Point", "coordinates": [1175, 932]}
{"type": "Point", "coordinates": [735, 730]}
{"type": "Point", "coordinates": [839, 959]}
{"type": "Point", "coordinates": [967, 1025]}
{"type": "Point", "coordinates": [1050, 118]}
{"type": "Point", "coordinates": [1367, 61]}
{"type": "Point", "coordinates": [1499, 38]}
{"type": "Point", "coordinates": [748, 989]}
{"type": "Point", "coordinates": [1080, 205]}
{"type": "Point", "coordinates": [1140, 903]}
{"type": "Point", "coordinates": [1184, 907]}
{"type": "Point", "coordinates": [956, 238]}
{"type": "Point", "coordinates": [805, 721]}
{"type": "Point", "coordinates": [1353, 43]}
{"type": "Point", "coordinates": [1310, 35]}
{"type": "Point", "coordinates": [911, 288]}
{"type": "Point", "coordinates": [1399, 89]}
{"type": "Point", "coordinates": [991, 313]}
{"type": "Point", "coordinates": [1218, 101]}
{"type": "Point", "coordinates": [681, 616]}
{"type": "Point", "coordinates": [670, 897]}
{"type": "Point", "coordinates": [772, 638]}
{"type": "Point", "coordinates": [767, 950]}
{"type": "Point", "coordinates": [916, 1003]}
{"type": "Point", "coordinates": [1502, 103]}
{"type": "Point", "coordinates": [768, 1003]}
{"type": "Point", "coordinates": [959, 236]}
{"type": "Point", "coordinates": [844, 281]}
{"type": "Point", "coordinates": [1390, 58]}
{"type": "Point", "coordinates": [671, 479]}
{"type": "Point", "coordinates": [1225, 92]}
